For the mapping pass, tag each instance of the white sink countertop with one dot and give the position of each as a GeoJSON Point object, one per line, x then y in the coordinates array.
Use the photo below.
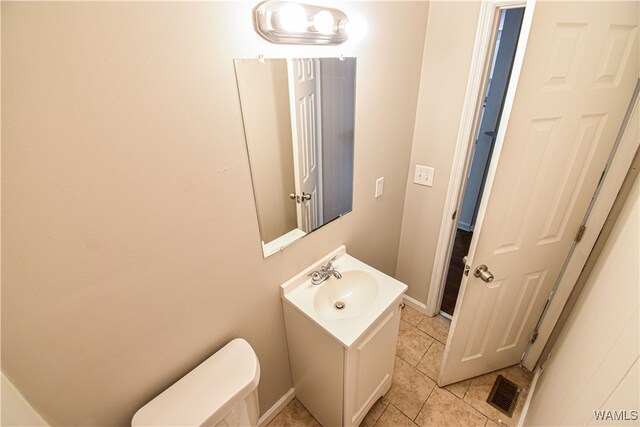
{"type": "Point", "coordinates": [365, 292]}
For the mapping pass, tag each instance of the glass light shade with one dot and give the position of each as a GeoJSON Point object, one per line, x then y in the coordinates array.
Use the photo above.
{"type": "Point", "coordinates": [323, 22]}
{"type": "Point", "coordinates": [356, 28]}
{"type": "Point", "coordinates": [293, 18]}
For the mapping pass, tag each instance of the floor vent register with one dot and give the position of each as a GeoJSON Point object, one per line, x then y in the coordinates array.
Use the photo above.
{"type": "Point", "coordinates": [504, 395]}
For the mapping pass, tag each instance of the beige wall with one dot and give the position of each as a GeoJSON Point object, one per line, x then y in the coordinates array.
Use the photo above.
{"type": "Point", "coordinates": [445, 71]}
{"type": "Point", "coordinates": [266, 114]}
{"type": "Point", "coordinates": [594, 364]}
{"type": "Point", "coordinates": [130, 243]}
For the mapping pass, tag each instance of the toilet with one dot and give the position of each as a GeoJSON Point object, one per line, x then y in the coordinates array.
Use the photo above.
{"type": "Point", "coordinates": [221, 391]}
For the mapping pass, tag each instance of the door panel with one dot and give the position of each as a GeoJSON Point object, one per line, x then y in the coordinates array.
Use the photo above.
{"type": "Point", "coordinates": [577, 77]}
{"type": "Point", "coordinates": [307, 139]}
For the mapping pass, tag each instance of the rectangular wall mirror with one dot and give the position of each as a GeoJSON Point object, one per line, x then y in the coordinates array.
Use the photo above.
{"type": "Point", "coordinates": [298, 122]}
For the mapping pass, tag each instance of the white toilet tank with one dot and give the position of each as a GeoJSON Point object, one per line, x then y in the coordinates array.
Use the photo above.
{"type": "Point", "coordinates": [221, 391]}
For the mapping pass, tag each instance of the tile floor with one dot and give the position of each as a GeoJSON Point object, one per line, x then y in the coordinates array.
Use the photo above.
{"type": "Point", "coordinates": [414, 398]}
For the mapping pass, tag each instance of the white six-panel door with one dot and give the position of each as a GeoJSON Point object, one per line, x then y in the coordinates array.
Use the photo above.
{"type": "Point", "coordinates": [577, 78]}
{"type": "Point", "coordinates": [304, 95]}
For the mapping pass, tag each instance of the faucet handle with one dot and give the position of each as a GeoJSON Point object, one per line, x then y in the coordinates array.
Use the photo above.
{"type": "Point", "coordinates": [314, 275]}
{"type": "Point", "coordinates": [330, 263]}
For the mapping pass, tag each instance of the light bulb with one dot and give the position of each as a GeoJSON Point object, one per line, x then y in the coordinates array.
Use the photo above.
{"type": "Point", "coordinates": [356, 28]}
{"type": "Point", "coordinates": [293, 18]}
{"type": "Point", "coordinates": [323, 22]}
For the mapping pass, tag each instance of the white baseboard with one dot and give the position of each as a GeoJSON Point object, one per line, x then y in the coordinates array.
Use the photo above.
{"type": "Point", "coordinates": [527, 402]}
{"type": "Point", "coordinates": [445, 315]}
{"type": "Point", "coordinates": [15, 409]}
{"type": "Point", "coordinates": [415, 304]}
{"type": "Point", "coordinates": [276, 408]}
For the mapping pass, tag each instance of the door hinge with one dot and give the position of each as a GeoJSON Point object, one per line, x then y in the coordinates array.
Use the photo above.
{"type": "Point", "coordinates": [534, 337]}
{"type": "Point", "coordinates": [602, 175]}
{"type": "Point", "coordinates": [580, 233]}
{"type": "Point", "coordinates": [454, 215]}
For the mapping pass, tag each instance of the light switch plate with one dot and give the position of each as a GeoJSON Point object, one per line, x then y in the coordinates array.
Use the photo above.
{"type": "Point", "coordinates": [379, 187]}
{"type": "Point", "coordinates": [424, 175]}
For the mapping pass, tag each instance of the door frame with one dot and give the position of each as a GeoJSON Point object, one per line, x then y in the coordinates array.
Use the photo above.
{"type": "Point", "coordinates": [484, 44]}
{"type": "Point", "coordinates": [294, 140]}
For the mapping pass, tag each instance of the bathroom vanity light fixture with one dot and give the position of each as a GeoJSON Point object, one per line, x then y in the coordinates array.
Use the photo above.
{"type": "Point", "coordinates": [296, 23]}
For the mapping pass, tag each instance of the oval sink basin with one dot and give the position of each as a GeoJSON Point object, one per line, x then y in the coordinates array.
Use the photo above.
{"type": "Point", "coordinates": [345, 307]}
{"type": "Point", "coordinates": [347, 297]}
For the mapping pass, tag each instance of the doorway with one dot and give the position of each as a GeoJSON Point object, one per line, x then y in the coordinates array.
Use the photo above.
{"type": "Point", "coordinates": [505, 42]}
{"type": "Point", "coordinates": [573, 85]}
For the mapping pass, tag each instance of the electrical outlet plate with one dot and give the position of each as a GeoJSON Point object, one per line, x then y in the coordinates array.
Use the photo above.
{"type": "Point", "coordinates": [424, 175]}
{"type": "Point", "coordinates": [379, 187]}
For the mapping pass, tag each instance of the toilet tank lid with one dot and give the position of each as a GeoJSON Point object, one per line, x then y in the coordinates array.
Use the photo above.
{"type": "Point", "coordinates": [208, 392]}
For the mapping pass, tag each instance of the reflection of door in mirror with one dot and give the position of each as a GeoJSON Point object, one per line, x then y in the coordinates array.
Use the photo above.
{"type": "Point", "coordinates": [264, 95]}
{"type": "Point", "coordinates": [306, 122]}
{"type": "Point", "coordinates": [299, 118]}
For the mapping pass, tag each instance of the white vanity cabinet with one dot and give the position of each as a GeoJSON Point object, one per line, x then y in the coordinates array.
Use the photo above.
{"type": "Point", "coordinates": [342, 335]}
{"type": "Point", "coordinates": [338, 384]}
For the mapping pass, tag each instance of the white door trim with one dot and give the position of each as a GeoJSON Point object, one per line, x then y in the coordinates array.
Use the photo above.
{"type": "Point", "coordinates": [527, 402]}
{"type": "Point", "coordinates": [476, 85]}
{"type": "Point", "coordinates": [627, 145]}
{"type": "Point", "coordinates": [294, 139]}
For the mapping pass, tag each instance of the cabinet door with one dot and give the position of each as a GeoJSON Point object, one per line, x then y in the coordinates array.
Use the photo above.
{"type": "Point", "coordinates": [369, 366]}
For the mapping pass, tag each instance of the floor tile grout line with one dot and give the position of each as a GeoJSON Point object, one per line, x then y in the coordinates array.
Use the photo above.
{"type": "Point", "coordinates": [478, 411]}
{"type": "Point", "coordinates": [436, 339]}
{"type": "Point", "coordinates": [406, 321]}
{"type": "Point", "coordinates": [399, 356]}
{"type": "Point", "coordinates": [425, 402]}
{"type": "Point", "coordinates": [431, 336]}
{"type": "Point", "coordinates": [469, 405]}
{"type": "Point", "coordinates": [423, 355]}
{"type": "Point", "coordinates": [381, 413]}
{"type": "Point", "coordinates": [472, 406]}
{"type": "Point", "coordinates": [427, 334]}
{"type": "Point", "coordinates": [400, 410]}
{"type": "Point", "coordinates": [420, 372]}
{"type": "Point", "coordinates": [468, 387]}
{"type": "Point", "coordinates": [421, 330]}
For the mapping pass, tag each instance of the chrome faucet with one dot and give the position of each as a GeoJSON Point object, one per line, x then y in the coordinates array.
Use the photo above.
{"type": "Point", "coordinates": [326, 271]}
